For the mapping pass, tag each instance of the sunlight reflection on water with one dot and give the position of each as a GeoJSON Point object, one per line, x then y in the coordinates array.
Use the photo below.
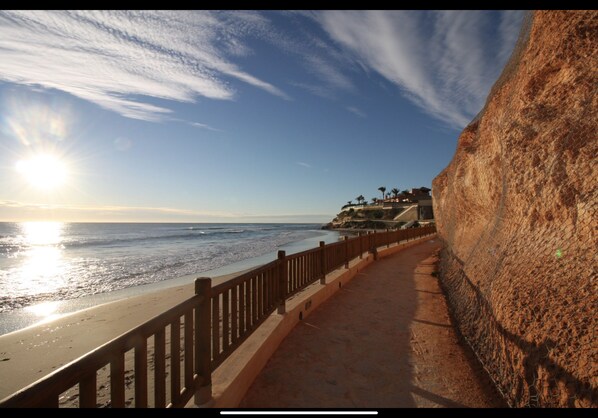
{"type": "Point", "coordinates": [44, 308]}
{"type": "Point", "coordinates": [43, 265]}
{"type": "Point", "coordinates": [42, 233]}
{"type": "Point", "coordinates": [49, 261]}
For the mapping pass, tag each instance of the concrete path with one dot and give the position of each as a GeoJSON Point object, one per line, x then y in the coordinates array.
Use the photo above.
{"type": "Point", "coordinates": [384, 340]}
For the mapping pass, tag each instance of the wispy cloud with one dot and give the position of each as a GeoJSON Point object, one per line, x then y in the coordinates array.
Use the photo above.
{"type": "Point", "coordinates": [439, 59]}
{"type": "Point", "coordinates": [315, 89]}
{"type": "Point", "coordinates": [510, 23]}
{"type": "Point", "coordinates": [117, 59]}
{"type": "Point", "coordinates": [204, 126]}
{"type": "Point", "coordinates": [327, 71]}
{"type": "Point", "coordinates": [327, 67]}
{"type": "Point", "coordinates": [14, 210]}
{"type": "Point", "coordinates": [302, 164]}
{"type": "Point", "coordinates": [443, 61]}
{"type": "Point", "coordinates": [288, 218]}
{"type": "Point", "coordinates": [113, 209]}
{"type": "Point", "coordinates": [123, 144]}
{"type": "Point", "coordinates": [355, 110]}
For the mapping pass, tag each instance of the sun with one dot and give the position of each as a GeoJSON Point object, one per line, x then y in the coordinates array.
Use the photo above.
{"type": "Point", "coordinates": [45, 172]}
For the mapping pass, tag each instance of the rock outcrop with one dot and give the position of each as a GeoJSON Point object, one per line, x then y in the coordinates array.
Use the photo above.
{"type": "Point", "coordinates": [517, 208]}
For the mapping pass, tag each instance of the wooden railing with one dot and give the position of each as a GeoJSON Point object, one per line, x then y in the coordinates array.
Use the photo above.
{"type": "Point", "coordinates": [302, 269]}
{"type": "Point", "coordinates": [203, 331]}
{"type": "Point", "coordinates": [335, 255]}
{"type": "Point", "coordinates": [239, 306]}
{"type": "Point", "coordinates": [83, 371]}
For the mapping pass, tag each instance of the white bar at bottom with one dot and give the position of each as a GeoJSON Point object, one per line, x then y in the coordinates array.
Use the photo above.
{"type": "Point", "coordinates": [299, 412]}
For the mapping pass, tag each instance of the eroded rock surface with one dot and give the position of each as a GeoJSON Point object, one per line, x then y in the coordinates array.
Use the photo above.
{"type": "Point", "coordinates": [517, 209]}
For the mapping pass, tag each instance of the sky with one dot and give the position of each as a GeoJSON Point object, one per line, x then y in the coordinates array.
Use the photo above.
{"type": "Point", "coordinates": [234, 116]}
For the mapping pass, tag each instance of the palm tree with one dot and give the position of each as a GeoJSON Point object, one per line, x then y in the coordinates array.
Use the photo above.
{"type": "Point", "coordinates": [382, 189]}
{"type": "Point", "coordinates": [350, 202]}
{"type": "Point", "coordinates": [395, 192]}
{"type": "Point", "coordinates": [360, 198]}
{"type": "Point", "coordinates": [374, 200]}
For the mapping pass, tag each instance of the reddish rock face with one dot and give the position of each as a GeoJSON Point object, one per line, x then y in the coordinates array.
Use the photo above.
{"type": "Point", "coordinates": [517, 208]}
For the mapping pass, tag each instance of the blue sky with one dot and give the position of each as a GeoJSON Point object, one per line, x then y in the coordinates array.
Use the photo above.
{"type": "Point", "coordinates": [235, 116]}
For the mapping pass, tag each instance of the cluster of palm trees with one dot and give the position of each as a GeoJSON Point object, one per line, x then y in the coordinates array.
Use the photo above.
{"type": "Point", "coordinates": [395, 193]}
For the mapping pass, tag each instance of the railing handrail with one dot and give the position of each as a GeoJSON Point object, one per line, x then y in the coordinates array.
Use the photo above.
{"type": "Point", "coordinates": [302, 253]}
{"type": "Point", "coordinates": [335, 244]}
{"type": "Point", "coordinates": [229, 284]}
{"type": "Point", "coordinates": [75, 372]}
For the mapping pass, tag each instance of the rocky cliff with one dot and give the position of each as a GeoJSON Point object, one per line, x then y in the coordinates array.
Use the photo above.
{"type": "Point", "coordinates": [517, 208]}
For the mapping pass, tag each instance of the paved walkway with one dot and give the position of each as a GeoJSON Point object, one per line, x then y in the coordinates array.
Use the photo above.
{"type": "Point", "coordinates": [384, 340]}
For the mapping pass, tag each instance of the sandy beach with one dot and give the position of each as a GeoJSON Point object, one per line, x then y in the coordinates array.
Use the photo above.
{"type": "Point", "coordinates": [32, 353]}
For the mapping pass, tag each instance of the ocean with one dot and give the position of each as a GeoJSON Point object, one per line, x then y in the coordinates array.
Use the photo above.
{"type": "Point", "coordinates": [49, 261]}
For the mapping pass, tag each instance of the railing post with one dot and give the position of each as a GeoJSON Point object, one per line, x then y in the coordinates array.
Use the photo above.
{"type": "Point", "coordinates": [282, 281]}
{"type": "Point", "coordinates": [387, 237]}
{"type": "Point", "coordinates": [372, 244]}
{"type": "Point", "coordinates": [360, 245]}
{"type": "Point", "coordinates": [346, 239]}
{"type": "Point", "coordinates": [375, 238]}
{"type": "Point", "coordinates": [203, 355]}
{"type": "Point", "coordinates": [323, 262]}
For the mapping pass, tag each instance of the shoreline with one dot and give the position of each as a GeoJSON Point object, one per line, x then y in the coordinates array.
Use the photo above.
{"type": "Point", "coordinates": [47, 311]}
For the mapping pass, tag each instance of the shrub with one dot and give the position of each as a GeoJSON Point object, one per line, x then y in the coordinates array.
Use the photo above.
{"type": "Point", "coordinates": [378, 214]}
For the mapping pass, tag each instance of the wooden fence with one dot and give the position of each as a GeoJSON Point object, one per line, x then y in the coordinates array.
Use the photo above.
{"type": "Point", "coordinates": [203, 331]}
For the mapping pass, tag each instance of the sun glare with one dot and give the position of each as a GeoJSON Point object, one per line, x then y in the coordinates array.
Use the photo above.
{"type": "Point", "coordinates": [45, 172]}
{"type": "Point", "coordinates": [44, 308]}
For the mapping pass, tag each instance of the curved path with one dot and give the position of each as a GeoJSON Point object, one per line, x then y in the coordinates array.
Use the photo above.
{"type": "Point", "coordinates": [384, 340]}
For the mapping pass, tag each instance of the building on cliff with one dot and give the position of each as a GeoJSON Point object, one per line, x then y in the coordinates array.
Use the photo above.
{"type": "Point", "coordinates": [416, 205]}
